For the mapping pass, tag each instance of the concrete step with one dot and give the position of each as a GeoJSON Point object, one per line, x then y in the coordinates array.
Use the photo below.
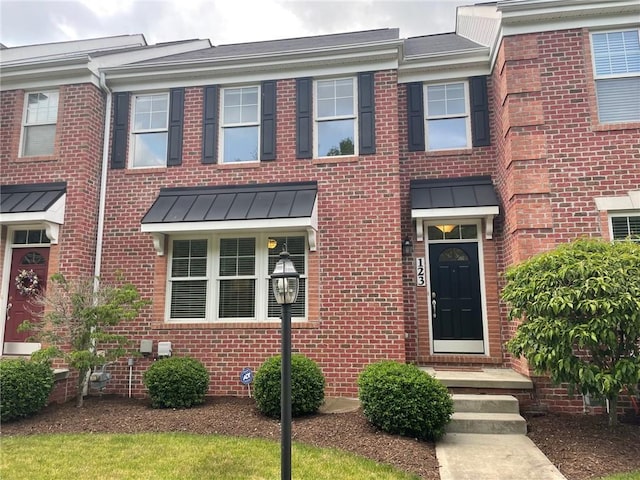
{"type": "Point", "coordinates": [485, 403]}
{"type": "Point", "coordinates": [486, 378]}
{"type": "Point", "coordinates": [493, 423]}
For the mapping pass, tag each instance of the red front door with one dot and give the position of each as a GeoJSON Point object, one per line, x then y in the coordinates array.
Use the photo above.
{"type": "Point", "coordinates": [21, 306]}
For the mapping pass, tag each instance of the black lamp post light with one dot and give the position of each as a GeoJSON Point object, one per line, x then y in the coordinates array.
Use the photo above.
{"type": "Point", "coordinates": [285, 282]}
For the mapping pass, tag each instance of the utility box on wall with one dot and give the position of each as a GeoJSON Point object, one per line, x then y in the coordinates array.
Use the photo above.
{"type": "Point", "coordinates": [164, 349]}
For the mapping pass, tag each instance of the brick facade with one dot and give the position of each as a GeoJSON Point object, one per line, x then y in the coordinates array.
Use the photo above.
{"type": "Point", "coordinates": [548, 158]}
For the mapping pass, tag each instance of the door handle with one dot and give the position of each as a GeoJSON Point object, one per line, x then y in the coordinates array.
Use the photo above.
{"type": "Point", "coordinates": [433, 304]}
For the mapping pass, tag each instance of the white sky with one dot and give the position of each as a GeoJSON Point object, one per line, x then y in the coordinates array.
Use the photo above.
{"type": "Point", "coordinates": [24, 22]}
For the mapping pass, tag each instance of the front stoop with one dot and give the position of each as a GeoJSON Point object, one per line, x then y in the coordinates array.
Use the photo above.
{"type": "Point", "coordinates": [493, 414]}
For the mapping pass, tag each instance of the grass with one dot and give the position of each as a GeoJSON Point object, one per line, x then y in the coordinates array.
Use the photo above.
{"type": "Point", "coordinates": [176, 456]}
{"type": "Point", "coordinates": [623, 476]}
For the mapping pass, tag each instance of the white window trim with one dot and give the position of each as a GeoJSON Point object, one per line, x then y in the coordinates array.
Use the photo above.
{"type": "Point", "coordinates": [25, 125]}
{"type": "Point", "coordinates": [612, 76]}
{"type": "Point", "coordinates": [261, 275]}
{"type": "Point", "coordinates": [622, 213]}
{"type": "Point", "coordinates": [224, 125]}
{"type": "Point", "coordinates": [133, 132]}
{"type": "Point", "coordinates": [466, 115]}
{"type": "Point", "coordinates": [593, 56]}
{"type": "Point", "coordinates": [317, 119]}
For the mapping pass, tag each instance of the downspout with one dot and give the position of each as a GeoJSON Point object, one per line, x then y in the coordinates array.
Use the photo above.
{"type": "Point", "coordinates": [102, 200]}
{"type": "Point", "coordinates": [103, 181]}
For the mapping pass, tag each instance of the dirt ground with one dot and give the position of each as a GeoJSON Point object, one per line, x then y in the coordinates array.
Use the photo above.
{"type": "Point", "coordinates": [582, 447]}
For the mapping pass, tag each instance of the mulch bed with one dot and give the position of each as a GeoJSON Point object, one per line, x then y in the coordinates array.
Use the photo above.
{"type": "Point", "coordinates": [582, 447]}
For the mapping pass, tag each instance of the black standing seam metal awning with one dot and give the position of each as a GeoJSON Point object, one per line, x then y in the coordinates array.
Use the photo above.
{"type": "Point", "coordinates": [36, 203]}
{"type": "Point", "coordinates": [258, 206]}
{"type": "Point", "coordinates": [454, 197]}
{"type": "Point", "coordinates": [37, 197]}
{"type": "Point", "coordinates": [250, 202]}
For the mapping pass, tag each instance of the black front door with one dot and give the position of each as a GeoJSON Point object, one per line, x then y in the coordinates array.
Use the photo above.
{"type": "Point", "coordinates": [456, 310]}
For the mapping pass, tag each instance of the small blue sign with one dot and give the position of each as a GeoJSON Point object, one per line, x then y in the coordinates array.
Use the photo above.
{"type": "Point", "coordinates": [246, 377]}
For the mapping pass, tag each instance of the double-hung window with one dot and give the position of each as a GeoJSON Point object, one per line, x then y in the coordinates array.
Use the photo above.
{"type": "Point", "coordinates": [625, 227]}
{"type": "Point", "coordinates": [240, 124]}
{"type": "Point", "coordinates": [447, 116]}
{"type": "Point", "coordinates": [227, 278]}
{"type": "Point", "coordinates": [149, 132]}
{"type": "Point", "coordinates": [616, 61]}
{"type": "Point", "coordinates": [335, 117]}
{"type": "Point", "coordinates": [39, 127]}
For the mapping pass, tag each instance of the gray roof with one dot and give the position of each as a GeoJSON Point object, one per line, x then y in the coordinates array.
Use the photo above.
{"type": "Point", "coordinates": [442, 43]}
{"type": "Point", "coordinates": [453, 193]}
{"type": "Point", "coordinates": [283, 46]}
{"type": "Point", "coordinates": [37, 197]}
{"type": "Point", "coordinates": [247, 202]}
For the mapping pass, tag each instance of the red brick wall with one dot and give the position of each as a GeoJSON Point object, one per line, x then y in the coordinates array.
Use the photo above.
{"type": "Point", "coordinates": [355, 275]}
{"type": "Point", "coordinates": [76, 160]}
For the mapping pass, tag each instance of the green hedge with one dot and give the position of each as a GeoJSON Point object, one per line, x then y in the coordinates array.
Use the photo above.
{"type": "Point", "coordinates": [307, 386]}
{"type": "Point", "coordinates": [25, 386]}
{"type": "Point", "coordinates": [402, 399]}
{"type": "Point", "coordinates": [176, 382]}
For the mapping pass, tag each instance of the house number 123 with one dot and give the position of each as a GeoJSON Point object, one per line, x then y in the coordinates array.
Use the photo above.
{"type": "Point", "coordinates": [420, 278]}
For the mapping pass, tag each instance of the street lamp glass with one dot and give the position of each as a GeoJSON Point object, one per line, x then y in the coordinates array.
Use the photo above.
{"type": "Point", "coordinates": [285, 280]}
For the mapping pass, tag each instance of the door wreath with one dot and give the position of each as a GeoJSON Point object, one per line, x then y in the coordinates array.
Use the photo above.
{"type": "Point", "coordinates": [27, 283]}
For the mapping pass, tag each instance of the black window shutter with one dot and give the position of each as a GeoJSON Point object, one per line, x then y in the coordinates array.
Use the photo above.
{"type": "Point", "coordinates": [268, 130]}
{"type": "Point", "coordinates": [366, 114]}
{"type": "Point", "coordinates": [480, 133]}
{"type": "Point", "coordinates": [210, 124]}
{"type": "Point", "coordinates": [415, 116]}
{"type": "Point", "coordinates": [120, 129]}
{"type": "Point", "coordinates": [304, 118]}
{"type": "Point", "coordinates": [176, 121]}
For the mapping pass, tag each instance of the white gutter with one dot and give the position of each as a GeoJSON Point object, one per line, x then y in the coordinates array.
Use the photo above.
{"type": "Point", "coordinates": [103, 181]}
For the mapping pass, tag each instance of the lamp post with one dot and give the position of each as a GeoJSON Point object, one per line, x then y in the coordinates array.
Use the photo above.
{"type": "Point", "coordinates": [285, 281]}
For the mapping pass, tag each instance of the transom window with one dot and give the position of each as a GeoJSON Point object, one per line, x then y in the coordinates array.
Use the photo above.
{"type": "Point", "coordinates": [28, 237]}
{"type": "Point", "coordinates": [39, 127]}
{"type": "Point", "coordinates": [223, 278]}
{"type": "Point", "coordinates": [149, 131]}
{"type": "Point", "coordinates": [448, 125]}
{"type": "Point", "coordinates": [452, 232]}
{"type": "Point", "coordinates": [335, 117]}
{"type": "Point", "coordinates": [626, 227]}
{"type": "Point", "coordinates": [240, 124]}
{"type": "Point", "coordinates": [616, 60]}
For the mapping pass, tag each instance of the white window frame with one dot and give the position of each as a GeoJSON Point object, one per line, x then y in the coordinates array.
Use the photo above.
{"type": "Point", "coordinates": [597, 77]}
{"type": "Point", "coordinates": [317, 119]}
{"type": "Point", "coordinates": [620, 214]}
{"type": "Point", "coordinates": [133, 133]}
{"type": "Point", "coordinates": [261, 276]}
{"type": "Point", "coordinates": [224, 125]}
{"type": "Point", "coordinates": [26, 125]}
{"type": "Point", "coordinates": [466, 115]}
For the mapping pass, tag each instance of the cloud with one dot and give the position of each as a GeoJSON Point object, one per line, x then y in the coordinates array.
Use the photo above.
{"type": "Point", "coordinates": [25, 22]}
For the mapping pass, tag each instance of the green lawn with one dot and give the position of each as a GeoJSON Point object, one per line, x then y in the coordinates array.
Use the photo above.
{"type": "Point", "coordinates": [175, 456]}
{"type": "Point", "coordinates": [623, 476]}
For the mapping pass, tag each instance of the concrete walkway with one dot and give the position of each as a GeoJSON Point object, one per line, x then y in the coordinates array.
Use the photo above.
{"type": "Point", "coordinates": [472, 456]}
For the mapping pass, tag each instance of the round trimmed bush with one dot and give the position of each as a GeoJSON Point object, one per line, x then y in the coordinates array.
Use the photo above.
{"type": "Point", "coordinates": [25, 387]}
{"type": "Point", "coordinates": [176, 382]}
{"type": "Point", "coordinates": [307, 386]}
{"type": "Point", "coordinates": [402, 399]}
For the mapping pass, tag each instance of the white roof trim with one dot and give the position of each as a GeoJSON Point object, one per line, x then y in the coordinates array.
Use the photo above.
{"type": "Point", "coordinates": [486, 213]}
{"type": "Point", "coordinates": [52, 218]}
{"type": "Point", "coordinates": [158, 230]}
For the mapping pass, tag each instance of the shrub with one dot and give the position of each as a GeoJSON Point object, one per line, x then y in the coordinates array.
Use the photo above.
{"type": "Point", "coordinates": [307, 386]}
{"type": "Point", "coordinates": [404, 400]}
{"type": "Point", "coordinates": [25, 387]}
{"type": "Point", "coordinates": [176, 382]}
